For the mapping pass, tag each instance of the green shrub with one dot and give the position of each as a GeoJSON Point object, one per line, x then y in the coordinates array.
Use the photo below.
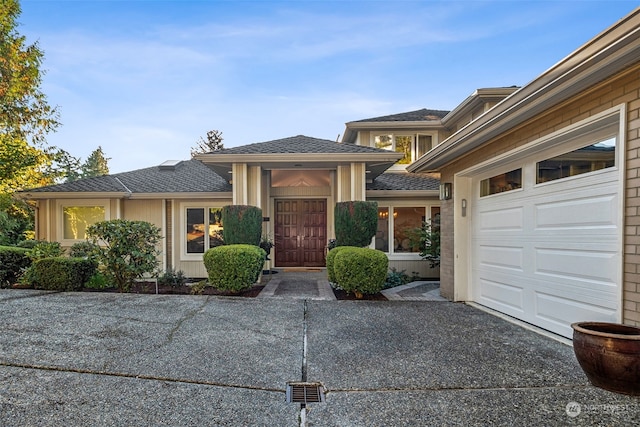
{"type": "Point", "coordinates": [43, 249]}
{"type": "Point", "coordinates": [234, 267]}
{"type": "Point", "coordinates": [61, 273]}
{"type": "Point", "coordinates": [172, 277]}
{"type": "Point", "coordinates": [396, 278]}
{"type": "Point", "coordinates": [27, 244]}
{"type": "Point", "coordinates": [331, 256]}
{"type": "Point", "coordinates": [241, 225]}
{"type": "Point", "coordinates": [126, 249]}
{"type": "Point", "coordinates": [361, 270]}
{"type": "Point", "coordinates": [84, 249]}
{"type": "Point", "coordinates": [427, 239]}
{"type": "Point", "coordinates": [12, 262]}
{"type": "Point", "coordinates": [355, 222]}
{"type": "Point", "coordinates": [98, 281]}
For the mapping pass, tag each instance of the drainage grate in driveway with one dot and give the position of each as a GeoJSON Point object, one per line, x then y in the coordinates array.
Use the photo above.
{"type": "Point", "coordinates": [301, 392]}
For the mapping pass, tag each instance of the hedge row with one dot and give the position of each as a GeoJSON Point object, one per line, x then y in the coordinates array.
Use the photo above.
{"type": "Point", "coordinates": [12, 262]}
{"type": "Point", "coordinates": [61, 273]}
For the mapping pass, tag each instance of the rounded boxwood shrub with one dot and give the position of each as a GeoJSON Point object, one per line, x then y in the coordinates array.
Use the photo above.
{"type": "Point", "coordinates": [361, 270]}
{"type": "Point", "coordinates": [12, 262]}
{"type": "Point", "coordinates": [331, 255]}
{"type": "Point", "coordinates": [61, 273]}
{"type": "Point", "coordinates": [234, 267]}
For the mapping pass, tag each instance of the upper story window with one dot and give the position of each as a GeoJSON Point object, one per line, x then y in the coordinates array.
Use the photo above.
{"type": "Point", "coordinates": [411, 145]}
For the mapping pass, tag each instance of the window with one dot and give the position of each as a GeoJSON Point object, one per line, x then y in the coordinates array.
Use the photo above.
{"type": "Point", "coordinates": [203, 226]}
{"type": "Point", "coordinates": [397, 227]}
{"type": "Point", "coordinates": [508, 181]}
{"type": "Point", "coordinates": [411, 145]}
{"type": "Point", "coordinates": [76, 220]}
{"type": "Point", "coordinates": [600, 155]}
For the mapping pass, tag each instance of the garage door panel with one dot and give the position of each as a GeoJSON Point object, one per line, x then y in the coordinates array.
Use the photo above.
{"type": "Point", "coordinates": [556, 314]}
{"type": "Point", "coordinates": [588, 212]}
{"type": "Point", "coordinates": [505, 219]}
{"type": "Point", "coordinates": [584, 265]}
{"type": "Point", "coordinates": [509, 257]}
{"type": "Point", "coordinates": [504, 295]}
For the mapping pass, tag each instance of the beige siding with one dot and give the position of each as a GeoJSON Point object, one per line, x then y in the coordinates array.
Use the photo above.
{"type": "Point", "coordinates": [143, 210]}
{"type": "Point", "coordinates": [420, 267]}
{"type": "Point", "coordinates": [621, 89]}
{"type": "Point", "coordinates": [343, 184]}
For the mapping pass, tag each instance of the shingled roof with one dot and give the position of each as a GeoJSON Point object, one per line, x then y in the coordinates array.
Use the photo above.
{"type": "Point", "coordinates": [391, 181]}
{"type": "Point", "coordinates": [410, 116]}
{"type": "Point", "coordinates": [189, 176]}
{"type": "Point", "coordinates": [299, 144]}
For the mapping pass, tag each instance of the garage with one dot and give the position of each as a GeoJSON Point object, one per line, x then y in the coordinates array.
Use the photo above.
{"type": "Point", "coordinates": [546, 230]}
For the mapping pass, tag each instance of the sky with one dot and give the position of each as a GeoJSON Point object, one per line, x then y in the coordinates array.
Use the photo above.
{"type": "Point", "coordinates": [146, 79]}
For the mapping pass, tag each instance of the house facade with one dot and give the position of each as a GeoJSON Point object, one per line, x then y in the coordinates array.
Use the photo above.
{"type": "Point", "coordinates": [536, 190]}
{"type": "Point", "coordinates": [542, 223]}
{"type": "Point", "coordinates": [296, 182]}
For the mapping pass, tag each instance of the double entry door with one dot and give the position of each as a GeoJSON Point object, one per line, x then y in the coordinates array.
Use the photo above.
{"type": "Point", "coordinates": [300, 232]}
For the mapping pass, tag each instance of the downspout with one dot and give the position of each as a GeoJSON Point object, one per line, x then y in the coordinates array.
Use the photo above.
{"type": "Point", "coordinates": [128, 195]}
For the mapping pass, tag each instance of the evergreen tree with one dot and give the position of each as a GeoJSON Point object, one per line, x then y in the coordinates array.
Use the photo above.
{"type": "Point", "coordinates": [96, 164]}
{"type": "Point", "coordinates": [213, 143]}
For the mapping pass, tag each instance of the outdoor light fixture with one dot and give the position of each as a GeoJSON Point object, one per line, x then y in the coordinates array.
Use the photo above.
{"type": "Point", "coordinates": [445, 191]}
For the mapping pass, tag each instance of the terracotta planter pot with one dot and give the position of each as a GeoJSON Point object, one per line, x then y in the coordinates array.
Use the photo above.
{"type": "Point", "coordinates": [609, 354]}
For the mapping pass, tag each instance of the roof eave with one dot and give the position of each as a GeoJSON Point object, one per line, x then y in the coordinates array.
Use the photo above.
{"type": "Point", "coordinates": [184, 195]}
{"type": "Point", "coordinates": [39, 195]}
{"type": "Point", "coordinates": [399, 194]}
{"type": "Point", "coordinates": [608, 53]}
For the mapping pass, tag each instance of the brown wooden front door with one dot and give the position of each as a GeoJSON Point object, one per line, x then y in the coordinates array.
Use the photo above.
{"type": "Point", "coordinates": [300, 233]}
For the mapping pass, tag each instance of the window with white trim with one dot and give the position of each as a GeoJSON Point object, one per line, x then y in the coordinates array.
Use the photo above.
{"type": "Point", "coordinates": [75, 216]}
{"type": "Point", "coordinates": [397, 226]}
{"type": "Point", "coordinates": [76, 220]}
{"type": "Point", "coordinates": [202, 229]}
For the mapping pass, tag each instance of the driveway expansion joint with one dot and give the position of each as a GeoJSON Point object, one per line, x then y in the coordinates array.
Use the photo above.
{"type": "Point", "coordinates": [139, 377]}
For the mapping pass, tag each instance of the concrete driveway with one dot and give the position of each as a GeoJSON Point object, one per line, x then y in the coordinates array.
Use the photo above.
{"type": "Point", "coordinates": [84, 359]}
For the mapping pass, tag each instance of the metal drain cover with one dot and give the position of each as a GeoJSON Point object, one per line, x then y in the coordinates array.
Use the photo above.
{"type": "Point", "coordinates": [302, 392]}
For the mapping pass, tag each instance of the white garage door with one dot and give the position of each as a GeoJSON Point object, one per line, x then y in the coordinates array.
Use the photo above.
{"type": "Point", "coordinates": [549, 254]}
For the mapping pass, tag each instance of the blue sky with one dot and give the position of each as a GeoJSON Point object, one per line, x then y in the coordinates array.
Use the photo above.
{"type": "Point", "coordinates": [145, 79]}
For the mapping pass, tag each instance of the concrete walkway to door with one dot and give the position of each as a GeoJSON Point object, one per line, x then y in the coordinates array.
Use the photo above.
{"type": "Point", "coordinates": [298, 283]}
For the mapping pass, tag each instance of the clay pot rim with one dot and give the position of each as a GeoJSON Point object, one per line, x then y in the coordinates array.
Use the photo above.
{"type": "Point", "coordinates": [583, 327]}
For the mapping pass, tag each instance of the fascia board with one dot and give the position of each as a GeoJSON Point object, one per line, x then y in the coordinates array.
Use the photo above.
{"type": "Point", "coordinates": [203, 195]}
{"type": "Point", "coordinates": [220, 159]}
{"type": "Point", "coordinates": [416, 124]}
{"type": "Point", "coordinates": [616, 49]}
{"type": "Point", "coordinates": [401, 194]}
{"type": "Point", "coordinates": [71, 195]}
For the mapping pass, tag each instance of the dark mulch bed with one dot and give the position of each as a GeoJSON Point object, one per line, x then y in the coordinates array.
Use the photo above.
{"type": "Point", "coordinates": [150, 288]}
{"type": "Point", "coordinates": [342, 295]}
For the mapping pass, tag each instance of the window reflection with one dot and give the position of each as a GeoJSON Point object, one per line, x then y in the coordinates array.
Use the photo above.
{"type": "Point", "coordinates": [594, 157]}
